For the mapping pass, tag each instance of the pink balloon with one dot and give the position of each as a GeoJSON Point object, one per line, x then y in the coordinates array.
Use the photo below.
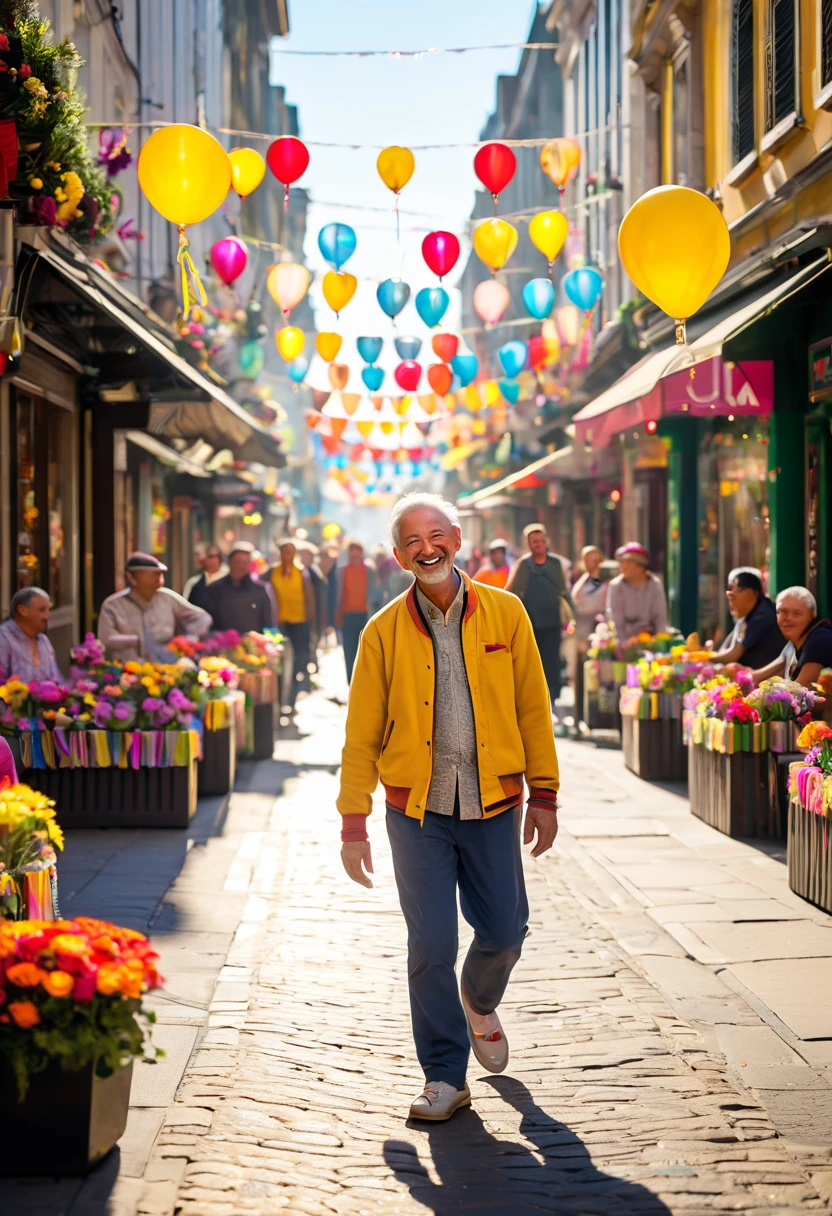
{"type": "Point", "coordinates": [408, 375]}
{"type": "Point", "coordinates": [229, 257]}
{"type": "Point", "coordinates": [491, 299]}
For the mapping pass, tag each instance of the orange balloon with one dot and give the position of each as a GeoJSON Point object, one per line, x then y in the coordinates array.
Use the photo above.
{"type": "Point", "coordinates": [440, 377]}
{"type": "Point", "coordinates": [351, 401]}
{"type": "Point", "coordinates": [559, 160]}
{"type": "Point", "coordinates": [339, 375]}
{"type": "Point", "coordinates": [429, 403]}
{"type": "Point", "coordinates": [327, 345]}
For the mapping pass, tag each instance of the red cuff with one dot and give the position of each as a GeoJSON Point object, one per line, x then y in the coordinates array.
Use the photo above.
{"type": "Point", "coordinates": [544, 800]}
{"type": "Point", "coordinates": [353, 827]}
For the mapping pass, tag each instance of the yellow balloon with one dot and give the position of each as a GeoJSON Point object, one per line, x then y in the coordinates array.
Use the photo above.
{"type": "Point", "coordinates": [247, 170]}
{"type": "Point", "coordinates": [494, 242]}
{"type": "Point", "coordinates": [330, 531]}
{"type": "Point", "coordinates": [287, 283]}
{"type": "Point", "coordinates": [547, 232]}
{"type": "Point", "coordinates": [339, 288]}
{"type": "Point", "coordinates": [184, 172]}
{"type": "Point", "coordinates": [395, 167]}
{"type": "Point", "coordinates": [559, 160]}
{"type": "Point", "coordinates": [290, 342]}
{"type": "Point", "coordinates": [675, 247]}
{"type": "Point", "coordinates": [327, 345]}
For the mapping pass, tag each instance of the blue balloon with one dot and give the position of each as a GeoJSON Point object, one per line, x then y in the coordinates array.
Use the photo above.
{"type": "Point", "coordinates": [432, 304]}
{"type": "Point", "coordinates": [583, 287]}
{"type": "Point", "coordinates": [369, 348]}
{"type": "Point", "coordinates": [512, 355]}
{"type": "Point", "coordinates": [407, 348]}
{"type": "Point", "coordinates": [465, 366]}
{"type": "Point", "coordinates": [538, 297]}
{"type": "Point", "coordinates": [392, 295]}
{"type": "Point", "coordinates": [297, 369]}
{"type": "Point", "coordinates": [510, 390]}
{"type": "Point", "coordinates": [337, 243]}
{"type": "Point", "coordinates": [372, 377]}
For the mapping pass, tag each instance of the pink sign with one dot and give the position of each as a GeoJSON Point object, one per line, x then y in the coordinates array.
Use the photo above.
{"type": "Point", "coordinates": [721, 388]}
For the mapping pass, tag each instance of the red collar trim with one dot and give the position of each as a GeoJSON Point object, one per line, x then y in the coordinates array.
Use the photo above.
{"type": "Point", "coordinates": [471, 604]}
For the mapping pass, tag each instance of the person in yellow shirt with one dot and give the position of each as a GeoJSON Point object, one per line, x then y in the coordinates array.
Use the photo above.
{"type": "Point", "coordinates": [295, 609]}
{"type": "Point", "coordinates": [496, 573]}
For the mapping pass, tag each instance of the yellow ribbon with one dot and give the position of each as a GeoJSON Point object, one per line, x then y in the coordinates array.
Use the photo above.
{"type": "Point", "coordinates": [190, 276]}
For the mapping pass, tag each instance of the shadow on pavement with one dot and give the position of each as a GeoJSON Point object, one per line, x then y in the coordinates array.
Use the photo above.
{"type": "Point", "coordinates": [478, 1172]}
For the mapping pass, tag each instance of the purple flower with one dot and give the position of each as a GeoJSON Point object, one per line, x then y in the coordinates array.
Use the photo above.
{"type": "Point", "coordinates": [152, 705]}
{"type": "Point", "coordinates": [163, 716]}
{"type": "Point", "coordinates": [178, 700]}
{"type": "Point", "coordinates": [101, 714]}
{"type": "Point", "coordinates": [123, 711]}
{"type": "Point", "coordinates": [43, 210]}
{"type": "Point", "coordinates": [24, 724]}
{"type": "Point", "coordinates": [47, 691]}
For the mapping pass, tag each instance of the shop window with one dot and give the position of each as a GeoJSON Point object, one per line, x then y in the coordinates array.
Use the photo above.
{"type": "Point", "coordinates": [779, 50]}
{"type": "Point", "coordinates": [826, 40]}
{"type": "Point", "coordinates": [743, 79]}
{"type": "Point", "coordinates": [29, 548]}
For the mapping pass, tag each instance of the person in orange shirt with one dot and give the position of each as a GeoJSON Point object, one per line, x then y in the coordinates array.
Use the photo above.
{"type": "Point", "coordinates": [358, 598]}
{"type": "Point", "coordinates": [496, 573]}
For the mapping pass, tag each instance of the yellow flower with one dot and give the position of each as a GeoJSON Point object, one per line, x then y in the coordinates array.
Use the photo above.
{"type": "Point", "coordinates": [36, 183]}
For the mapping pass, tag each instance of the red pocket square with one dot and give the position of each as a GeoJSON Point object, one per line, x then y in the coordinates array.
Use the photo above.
{"type": "Point", "coordinates": [490, 647]}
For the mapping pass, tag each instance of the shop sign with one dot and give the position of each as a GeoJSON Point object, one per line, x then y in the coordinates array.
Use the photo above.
{"type": "Point", "coordinates": [821, 370]}
{"type": "Point", "coordinates": [720, 388]}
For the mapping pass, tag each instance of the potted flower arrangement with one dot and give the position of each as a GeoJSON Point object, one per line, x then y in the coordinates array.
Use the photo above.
{"type": "Point", "coordinates": [604, 673]}
{"type": "Point", "coordinates": [29, 838]}
{"type": "Point", "coordinates": [224, 716]}
{"type": "Point", "coordinates": [71, 1021]}
{"type": "Point", "coordinates": [810, 814]}
{"type": "Point", "coordinates": [651, 713]}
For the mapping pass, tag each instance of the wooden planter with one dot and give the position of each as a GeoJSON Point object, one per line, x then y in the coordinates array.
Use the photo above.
{"type": "Point", "coordinates": [66, 1123]}
{"type": "Point", "coordinates": [119, 797]}
{"type": "Point", "coordinates": [653, 749]}
{"type": "Point", "coordinates": [218, 765]}
{"type": "Point", "coordinates": [810, 856]}
{"type": "Point", "coordinates": [731, 793]}
{"type": "Point", "coordinates": [263, 732]}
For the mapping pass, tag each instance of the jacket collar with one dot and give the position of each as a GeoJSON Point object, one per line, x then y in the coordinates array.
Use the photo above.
{"type": "Point", "coordinates": [471, 602]}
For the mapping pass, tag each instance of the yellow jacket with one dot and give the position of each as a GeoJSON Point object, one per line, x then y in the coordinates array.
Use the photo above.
{"type": "Point", "coordinates": [389, 732]}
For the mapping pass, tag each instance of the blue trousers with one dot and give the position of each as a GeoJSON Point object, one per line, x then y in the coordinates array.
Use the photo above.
{"type": "Point", "coordinates": [354, 622]}
{"type": "Point", "coordinates": [481, 858]}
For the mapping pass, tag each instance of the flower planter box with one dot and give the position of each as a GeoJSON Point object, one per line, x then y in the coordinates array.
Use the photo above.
{"type": "Point", "coordinates": [603, 679]}
{"type": "Point", "coordinates": [66, 1123]}
{"type": "Point", "coordinates": [731, 792]}
{"type": "Point", "coordinates": [653, 749]}
{"type": "Point", "coordinates": [810, 855]}
{"type": "Point", "coordinates": [262, 747]}
{"type": "Point", "coordinates": [218, 765]}
{"type": "Point", "coordinates": [119, 797]}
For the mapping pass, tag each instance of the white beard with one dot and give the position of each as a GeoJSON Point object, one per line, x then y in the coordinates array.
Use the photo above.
{"type": "Point", "coordinates": [433, 574]}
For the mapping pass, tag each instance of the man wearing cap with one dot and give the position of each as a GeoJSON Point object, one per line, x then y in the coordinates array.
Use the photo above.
{"type": "Point", "coordinates": [138, 622]}
{"type": "Point", "coordinates": [539, 580]}
{"type": "Point", "coordinates": [636, 602]}
{"type": "Point", "coordinates": [238, 601]}
{"type": "Point", "coordinates": [496, 573]}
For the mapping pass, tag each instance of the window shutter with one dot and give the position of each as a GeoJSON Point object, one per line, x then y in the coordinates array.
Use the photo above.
{"type": "Point", "coordinates": [783, 28]}
{"type": "Point", "coordinates": [744, 78]}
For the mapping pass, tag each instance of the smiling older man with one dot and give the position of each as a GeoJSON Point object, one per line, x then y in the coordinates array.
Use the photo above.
{"type": "Point", "coordinates": [449, 708]}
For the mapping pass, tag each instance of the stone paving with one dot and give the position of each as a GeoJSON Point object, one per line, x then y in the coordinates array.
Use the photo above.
{"type": "Point", "coordinates": [625, 1093]}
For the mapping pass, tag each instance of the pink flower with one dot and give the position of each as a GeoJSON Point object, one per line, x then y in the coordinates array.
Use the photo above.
{"type": "Point", "coordinates": [84, 989]}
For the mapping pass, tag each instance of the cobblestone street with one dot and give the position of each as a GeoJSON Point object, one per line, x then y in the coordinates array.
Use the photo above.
{"type": "Point", "coordinates": [625, 1090]}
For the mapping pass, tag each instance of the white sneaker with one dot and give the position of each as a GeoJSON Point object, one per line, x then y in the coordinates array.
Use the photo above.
{"type": "Point", "coordinates": [438, 1101]}
{"type": "Point", "coordinates": [489, 1044]}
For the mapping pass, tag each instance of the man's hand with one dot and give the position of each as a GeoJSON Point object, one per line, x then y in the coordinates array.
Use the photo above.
{"type": "Point", "coordinates": [545, 823]}
{"type": "Point", "coordinates": [358, 861]}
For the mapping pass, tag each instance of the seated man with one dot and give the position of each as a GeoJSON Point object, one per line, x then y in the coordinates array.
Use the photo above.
{"type": "Point", "coordinates": [25, 650]}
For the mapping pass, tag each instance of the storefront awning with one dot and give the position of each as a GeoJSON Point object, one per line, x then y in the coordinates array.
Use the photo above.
{"type": "Point", "coordinates": [165, 455]}
{"type": "Point", "coordinates": [632, 399]}
{"type": "Point", "coordinates": [201, 410]}
{"type": "Point", "coordinates": [569, 463]}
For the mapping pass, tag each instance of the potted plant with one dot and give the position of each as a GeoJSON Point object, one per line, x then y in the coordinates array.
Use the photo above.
{"type": "Point", "coordinates": [810, 817]}
{"type": "Point", "coordinates": [29, 837]}
{"type": "Point", "coordinates": [219, 680]}
{"type": "Point", "coordinates": [651, 713]}
{"type": "Point", "coordinates": [71, 1021]}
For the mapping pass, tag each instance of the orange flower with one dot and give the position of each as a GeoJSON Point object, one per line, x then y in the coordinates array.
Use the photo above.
{"type": "Point", "coordinates": [69, 943]}
{"type": "Point", "coordinates": [109, 979]}
{"type": "Point", "coordinates": [105, 944]}
{"type": "Point", "coordinates": [25, 1014]}
{"type": "Point", "coordinates": [24, 975]}
{"type": "Point", "coordinates": [58, 983]}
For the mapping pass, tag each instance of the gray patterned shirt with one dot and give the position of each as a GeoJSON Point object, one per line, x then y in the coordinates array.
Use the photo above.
{"type": "Point", "coordinates": [454, 735]}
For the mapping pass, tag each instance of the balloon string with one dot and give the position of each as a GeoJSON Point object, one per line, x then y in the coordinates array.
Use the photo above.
{"type": "Point", "coordinates": [681, 335]}
{"type": "Point", "coordinates": [398, 221]}
{"type": "Point", "coordinates": [286, 198]}
{"type": "Point", "coordinates": [190, 276]}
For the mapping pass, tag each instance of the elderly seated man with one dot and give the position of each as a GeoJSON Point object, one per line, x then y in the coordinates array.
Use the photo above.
{"type": "Point", "coordinates": [25, 650]}
{"type": "Point", "coordinates": [808, 646]}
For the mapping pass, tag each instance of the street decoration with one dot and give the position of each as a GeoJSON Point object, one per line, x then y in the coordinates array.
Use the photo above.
{"type": "Point", "coordinates": [547, 232]}
{"type": "Point", "coordinates": [337, 244]}
{"type": "Point", "coordinates": [495, 165]}
{"type": "Point", "coordinates": [494, 242]}
{"type": "Point", "coordinates": [407, 347]}
{"type": "Point", "coordinates": [185, 174]}
{"type": "Point", "coordinates": [441, 252]}
{"type": "Point", "coordinates": [369, 348]}
{"type": "Point", "coordinates": [445, 346]}
{"type": "Point", "coordinates": [491, 299]}
{"type": "Point", "coordinates": [290, 342]}
{"type": "Point", "coordinates": [228, 258]}
{"type": "Point", "coordinates": [408, 375]}
{"type": "Point", "coordinates": [543, 351]}
{"type": "Point", "coordinates": [675, 246]}
{"type": "Point", "coordinates": [538, 298]}
{"type": "Point", "coordinates": [395, 167]}
{"type": "Point", "coordinates": [247, 170]}
{"type": "Point", "coordinates": [432, 304]}
{"type": "Point", "coordinates": [392, 296]}
{"type": "Point", "coordinates": [327, 345]}
{"type": "Point", "coordinates": [287, 284]}
{"type": "Point", "coordinates": [583, 287]}
{"type": "Point", "coordinates": [568, 324]}
{"type": "Point", "coordinates": [510, 389]}
{"type": "Point", "coordinates": [440, 378]}
{"type": "Point", "coordinates": [251, 358]}
{"type": "Point", "coordinates": [512, 356]}
{"type": "Point", "coordinates": [339, 376]}
{"type": "Point", "coordinates": [339, 288]}
{"type": "Point", "coordinates": [559, 160]}
{"type": "Point", "coordinates": [466, 367]}
{"type": "Point", "coordinates": [297, 369]}
{"type": "Point", "coordinates": [373, 377]}
{"type": "Point", "coordinates": [287, 158]}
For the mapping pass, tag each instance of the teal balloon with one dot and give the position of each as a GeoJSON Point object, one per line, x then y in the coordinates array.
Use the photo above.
{"type": "Point", "coordinates": [369, 348]}
{"type": "Point", "coordinates": [466, 367]}
{"type": "Point", "coordinates": [252, 358]}
{"type": "Point", "coordinates": [512, 356]}
{"type": "Point", "coordinates": [583, 287]}
{"type": "Point", "coordinates": [337, 243]}
{"type": "Point", "coordinates": [538, 297]}
{"type": "Point", "coordinates": [407, 348]}
{"type": "Point", "coordinates": [432, 304]}
{"type": "Point", "coordinates": [392, 295]}
{"type": "Point", "coordinates": [373, 377]}
{"type": "Point", "coordinates": [298, 369]}
{"type": "Point", "coordinates": [510, 390]}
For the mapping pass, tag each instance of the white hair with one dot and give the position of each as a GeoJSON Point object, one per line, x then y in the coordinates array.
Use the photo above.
{"type": "Point", "coordinates": [435, 501]}
{"type": "Point", "coordinates": [799, 593]}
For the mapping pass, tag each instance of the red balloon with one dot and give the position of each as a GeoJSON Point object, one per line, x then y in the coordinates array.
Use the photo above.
{"type": "Point", "coordinates": [439, 378]}
{"type": "Point", "coordinates": [537, 351]}
{"type": "Point", "coordinates": [494, 165]}
{"type": "Point", "coordinates": [445, 346]}
{"type": "Point", "coordinates": [441, 251]}
{"type": "Point", "coordinates": [287, 158]}
{"type": "Point", "coordinates": [415, 454]}
{"type": "Point", "coordinates": [408, 375]}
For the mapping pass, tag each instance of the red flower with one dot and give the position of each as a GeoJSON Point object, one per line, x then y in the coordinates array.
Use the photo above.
{"type": "Point", "coordinates": [24, 72]}
{"type": "Point", "coordinates": [84, 989]}
{"type": "Point", "coordinates": [4, 44]}
{"type": "Point", "coordinates": [4, 67]}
